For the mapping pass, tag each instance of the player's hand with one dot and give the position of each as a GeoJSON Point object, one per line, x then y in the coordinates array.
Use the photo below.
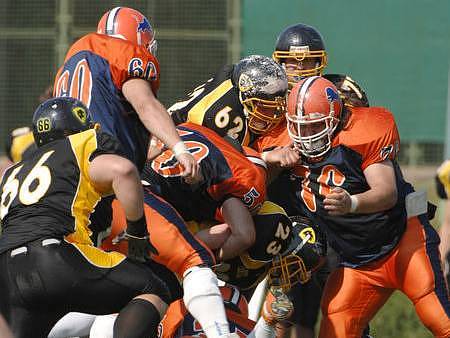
{"type": "Point", "coordinates": [139, 248]}
{"type": "Point", "coordinates": [284, 157]}
{"type": "Point", "coordinates": [338, 202]}
{"type": "Point", "coordinates": [191, 169]}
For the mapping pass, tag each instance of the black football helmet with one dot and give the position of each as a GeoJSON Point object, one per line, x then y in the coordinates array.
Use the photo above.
{"type": "Point", "coordinates": [350, 91]}
{"type": "Point", "coordinates": [59, 117]}
{"type": "Point", "coordinates": [300, 42]}
{"type": "Point", "coordinates": [305, 254]}
{"type": "Point", "coordinates": [273, 236]}
{"type": "Point", "coordinates": [262, 85]}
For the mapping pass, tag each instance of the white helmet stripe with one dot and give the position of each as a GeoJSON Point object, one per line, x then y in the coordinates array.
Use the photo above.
{"type": "Point", "coordinates": [110, 20]}
{"type": "Point", "coordinates": [301, 95]}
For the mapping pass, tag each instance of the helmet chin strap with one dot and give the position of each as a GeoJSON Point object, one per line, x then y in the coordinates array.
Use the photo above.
{"type": "Point", "coordinates": [246, 112]}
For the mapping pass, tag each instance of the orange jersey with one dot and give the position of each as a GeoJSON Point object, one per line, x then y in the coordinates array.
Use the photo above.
{"type": "Point", "coordinates": [277, 137]}
{"type": "Point", "coordinates": [94, 71]}
{"type": "Point", "coordinates": [372, 133]}
{"type": "Point", "coordinates": [226, 173]}
{"type": "Point", "coordinates": [167, 231]}
{"type": "Point", "coordinates": [369, 137]}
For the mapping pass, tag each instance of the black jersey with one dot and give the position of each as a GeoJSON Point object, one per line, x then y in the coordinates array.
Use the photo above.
{"type": "Point", "coordinates": [273, 237]}
{"type": "Point", "coordinates": [49, 194]}
{"type": "Point", "coordinates": [215, 105]}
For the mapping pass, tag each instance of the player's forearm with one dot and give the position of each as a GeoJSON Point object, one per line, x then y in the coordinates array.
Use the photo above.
{"type": "Point", "coordinates": [375, 200]}
{"type": "Point", "coordinates": [233, 246]}
{"type": "Point", "coordinates": [128, 190]}
{"type": "Point", "coordinates": [215, 236]}
{"type": "Point", "coordinates": [382, 194]}
{"type": "Point", "coordinates": [156, 119]}
{"type": "Point", "coordinates": [243, 233]}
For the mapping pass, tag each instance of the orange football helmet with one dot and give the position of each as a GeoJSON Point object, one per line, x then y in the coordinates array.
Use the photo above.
{"type": "Point", "coordinates": [128, 24]}
{"type": "Point", "coordinates": [314, 112]}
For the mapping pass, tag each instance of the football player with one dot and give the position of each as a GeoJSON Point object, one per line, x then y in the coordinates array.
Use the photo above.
{"type": "Point", "coordinates": [244, 101]}
{"type": "Point", "coordinates": [116, 74]}
{"type": "Point", "coordinates": [232, 187]}
{"type": "Point", "coordinates": [49, 265]}
{"type": "Point", "coordinates": [297, 249]}
{"type": "Point", "coordinates": [300, 49]}
{"type": "Point", "coordinates": [352, 188]}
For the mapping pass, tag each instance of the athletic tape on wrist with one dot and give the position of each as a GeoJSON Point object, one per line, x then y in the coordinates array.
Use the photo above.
{"type": "Point", "coordinates": [180, 148]}
{"type": "Point", "coordinates": [354, 203]}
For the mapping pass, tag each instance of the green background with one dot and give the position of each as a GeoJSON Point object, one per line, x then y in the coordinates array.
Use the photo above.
{"type": "Point", "coordinates": [397, 50]}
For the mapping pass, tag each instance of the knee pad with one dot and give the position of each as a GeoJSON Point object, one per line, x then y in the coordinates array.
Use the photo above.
{"type": "Point", "coordinates": [103, 326]}
{"type": "Point", "coordinates": [199, 282]}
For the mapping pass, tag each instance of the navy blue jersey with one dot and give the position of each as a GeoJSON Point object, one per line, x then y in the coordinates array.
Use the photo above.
{"type": "Point", "coordinates": [94, 71]}
{"type": "Point", "coordinates": [357, 238]}
{"type": "Point", "coordinates": [226, 173]}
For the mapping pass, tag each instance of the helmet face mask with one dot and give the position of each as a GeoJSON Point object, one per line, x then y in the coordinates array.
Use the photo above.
{"type": "Point", "coordinates": [262, 85]}
{"type": "Point", "coordinates": [58, 118]}
{"type": "Point", "coordinates": [314, 110]}
{"type": "Point", "coordinates": [264, 115]}
{"type": "Point", "coordinates": [312, 137]}
{"type": "Point", "coordinates": [301, 51]}
{"type": "Point", "coordinates": [305, 254]}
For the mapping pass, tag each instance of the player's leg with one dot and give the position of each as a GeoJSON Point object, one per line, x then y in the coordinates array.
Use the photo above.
{"type": "Point", "coordinates": [24, 298]}
{"type": "Point", "coordinates": [181, 252]}
{"type": "Point", "coordinates": [421, 277]}
{"type": "Point", "coordinates": [350, 299]}
{"type": "Point", "coordinates": [109, 283]}
{"type": "Point", "coordinates": [73, 324]}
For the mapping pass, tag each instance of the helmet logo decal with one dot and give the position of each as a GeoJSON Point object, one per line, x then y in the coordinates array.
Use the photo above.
{"type": "Point", "coordinates": [245, 83]}
{"type": "Point", "coordinates": [44, 124]}
{"type": "Point", "coordinates": [308, 234]}
{"type": "Point", "coordinates": [80, 113]}
{"type": "Point", "coordinates": [331, 95]}
{"type": "Point", "coordinates": [144, 26]}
